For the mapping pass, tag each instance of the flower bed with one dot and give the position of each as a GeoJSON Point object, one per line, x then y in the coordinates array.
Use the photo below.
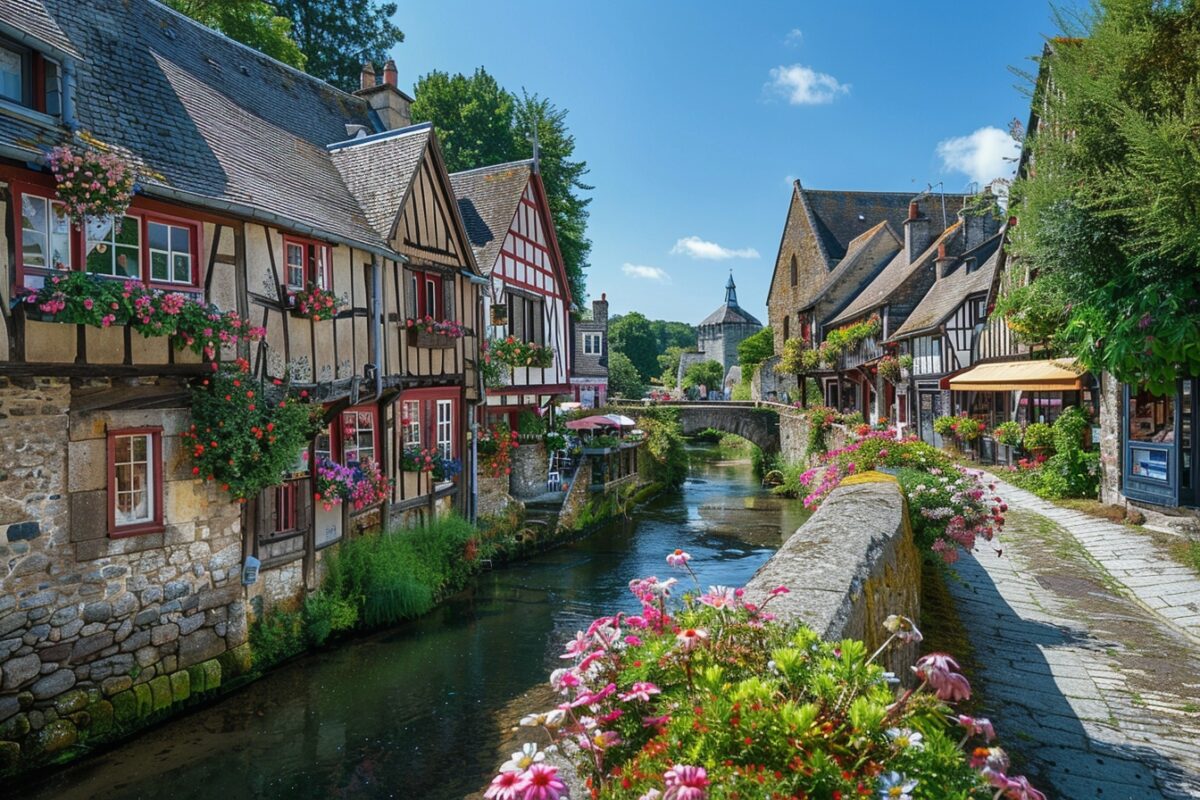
{"type": "Point", "coordinates": [712, 699]}
{"type": "Point", "coordinates": [84, 299]}
{"type": "Point", "coordinates": [315, 303]}
{"type": "Point", "coordinates": [515, 353]}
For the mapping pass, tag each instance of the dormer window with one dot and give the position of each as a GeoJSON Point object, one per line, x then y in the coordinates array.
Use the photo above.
{"type": "Point", "coordinates": [29, 79]}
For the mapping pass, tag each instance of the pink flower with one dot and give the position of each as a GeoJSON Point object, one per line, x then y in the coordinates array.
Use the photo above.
{"type": "Point", "coordinates": [678, 558]}
{"type": "Point", "coordinates": [685, 783]}
{"type": "Point", "coordinates": [690, 638]}
{"type": "Point", "coordinates": [540, 782]}
{"type": "Point", "coordinates": [503, 787]}
{"type": "Point", "coordinates": [980, 726]}
{"type": "Point", "coordinates": [1018, 788]}
{"type": "Point", "coordinates": [639, 691]}
{"type": "Point", "coordinates": [940, 671]}
{"type": "Point", "coordinates": [87, 303]}
{"type": "Point", "coordinates": [778, 590]}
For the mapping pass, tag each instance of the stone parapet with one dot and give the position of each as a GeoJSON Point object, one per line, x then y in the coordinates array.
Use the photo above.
{"type": "Point", "coordinates": [849, 566]}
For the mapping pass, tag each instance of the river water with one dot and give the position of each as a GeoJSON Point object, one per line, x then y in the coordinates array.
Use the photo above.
{"type": "Point", "coordinates": [426, 710]}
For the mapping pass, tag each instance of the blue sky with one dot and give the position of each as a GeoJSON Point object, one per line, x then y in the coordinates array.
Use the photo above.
{"type": "Point", "coordinates": [694, 117]}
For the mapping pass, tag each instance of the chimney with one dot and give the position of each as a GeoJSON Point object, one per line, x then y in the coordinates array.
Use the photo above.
{"type": "Point", "coordinates": [600, 310]}
{"type": "Point", "coordinates": [390, 105]}
{"type": "Point", "coordinates": [945, 263]}
{"type": "Point", "coordinates": [366, 79]}
{"type": "Point", "coordinates": [979, 223]}
{"type": "Point", "coordinates": [918, 232]}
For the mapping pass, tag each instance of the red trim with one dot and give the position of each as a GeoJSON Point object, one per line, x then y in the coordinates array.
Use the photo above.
{"type": "Point", "coordinates": [156, 460]}
{"type": "Point", "coordinates": [37, 63]}
{"type": "Point", "coordinates": [429, 420]}
{"type": "Point", "coordinates": [197, 232]}
{"type": "Point", "coordinates": [310, 248]}
{"type": "Point", "coordinates": [337, 438]}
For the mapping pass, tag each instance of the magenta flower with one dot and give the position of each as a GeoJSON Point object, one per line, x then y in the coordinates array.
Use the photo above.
{"type": "Point", "coordinates": [639, 691]}
{"type": "Point", "coordinates": [940, 671]}
{"type": "Point", "coordinates": [678, 558]}
{"type": "Point", "coordinates": [685, 783]}
{"type": "Point", "coordinates": [778, 590]}
{"type": "Point", "coordinates": [577, 646]}
{"type": "Point", "coordinates": [977, 726]}
{"type": "Point", "coordinates": [503, 787]}
{"type": "Point", "coordinates": [1019, 788]}
{"type": "Point", "coordinates": [540, 782]}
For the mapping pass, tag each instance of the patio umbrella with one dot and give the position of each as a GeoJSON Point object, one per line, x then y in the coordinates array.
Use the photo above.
{"type": "Point", "coordinates": [589, 424]}
{"type": "Point", "coordinates": [620, 420]}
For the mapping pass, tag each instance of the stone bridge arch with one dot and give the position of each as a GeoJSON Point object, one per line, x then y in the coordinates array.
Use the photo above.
{"type": "Point", "coordinates": [758, 425]}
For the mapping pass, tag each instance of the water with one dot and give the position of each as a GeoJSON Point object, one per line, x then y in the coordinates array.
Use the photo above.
{"type": "Point", "coordinates": [425, 710]}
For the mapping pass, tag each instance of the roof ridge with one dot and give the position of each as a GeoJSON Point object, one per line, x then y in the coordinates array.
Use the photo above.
{"type": "Point", "coordinates": [213, 31]}
{"type": "Point", "coordinates": [379, 137]}
{"type": "Point", "coordinates": [875, 191]}
{"type": "Point", "coordinates": [518, 162]}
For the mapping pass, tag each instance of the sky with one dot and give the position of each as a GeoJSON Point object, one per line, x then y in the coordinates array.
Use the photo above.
{"type": "Point", "coordinates": [695, 117]}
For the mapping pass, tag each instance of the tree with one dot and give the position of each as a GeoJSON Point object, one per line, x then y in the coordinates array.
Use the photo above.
{"type": "Point", "coordinates": [798, 359]}
{"type": "Point", "coordinates": [252, 22]}
{"type": "Point", "coordinates": [473, 118]}
{"type": "Point", "coordinates": [632, 335]}
{"type": "Point", "coordinates": [755, 349]}
{"type": "Point", "coordinates": [337, 36]}
{"type": "Point", "coordinates": [668, 362]}
{"type": "Point", "coordinates": [710, 373]}
{"type": "Point", "coordinates": [623, 378]}
{"type": "Point", "coordinates": [673, 334]}
{"type": "Point", "coordinates": [1111, 214]}
{"type": "Point", "coordinates": [563, 178]}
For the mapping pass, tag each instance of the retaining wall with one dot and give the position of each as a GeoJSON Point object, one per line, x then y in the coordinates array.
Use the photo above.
{"type": "Point", "coordinates": [849, 566]}
{"type": "Point", "coordinates": [793, 436]}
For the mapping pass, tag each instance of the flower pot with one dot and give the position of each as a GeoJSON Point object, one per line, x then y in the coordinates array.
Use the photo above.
{"type": "Point", "coordinates": [417, 337]}
{"type": "Point", "coordinates": [49, 342]}
{"type": "Point", "coordinates": [412, 484]}
{"type": "Point", "coordinates": [105, 345]}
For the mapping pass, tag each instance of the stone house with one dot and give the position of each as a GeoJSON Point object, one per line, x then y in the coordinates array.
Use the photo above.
{"type": "Point", "coordinates": [719, 334]}
{"type": "Point", "coordinates": [589, 358]}
{"type": "Point", "coordinates": [122, 589]}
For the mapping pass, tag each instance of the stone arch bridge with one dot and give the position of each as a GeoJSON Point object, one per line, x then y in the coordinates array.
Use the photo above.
{"type": "Point", "coordinates": [752, 421]}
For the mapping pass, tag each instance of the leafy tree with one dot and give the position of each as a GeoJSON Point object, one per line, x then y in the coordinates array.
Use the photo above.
{"type": "Point", "coordinates": [755, 349]}
{"type": "Point", "coordinates": [798, 359]}
{"type": "Point", "coordinates": [1111, 214]}
{"type": "Point", "coordinates": [710, 373]}
{"type": "Point", "coordinates": [673, 334]}
{"type": "Point", "coordinates": [337, 36]}
{"type": "Point", "coordinates": [251, 22]}
{"type": "Point", "coordinates": [623, 378]}
{"type": "Point", "coordinates": [668, 362]}
{"type": "Point", "coordinates": [473, 117]}
{"type": "Point", "coordinates": [632, 335]}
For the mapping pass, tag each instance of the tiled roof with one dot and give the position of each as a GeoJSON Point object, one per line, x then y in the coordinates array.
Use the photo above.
{"type": "Point", "coordinates": [894, 275]}
{"type": "Point", "coordinates": [31, 17]}
{"type": "Point", "coordinates": [27, 136]}
{"type": "Point", "coordinates": [730, 314]}
{"type": "Point", "coordinates": [379, 170]}
{"type": "Point", "coordinates": [487, 199]}
{"type": "Point", "coordinates": [203, 115]}
{"type": "Point", "coordinates": [854, 252]}
{"type": "Point", "coordinates": [949, 292]}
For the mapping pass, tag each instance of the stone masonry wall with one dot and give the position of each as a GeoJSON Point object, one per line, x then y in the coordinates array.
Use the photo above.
{"type": "Point", "coordinates": [530, 465]}
{"type": "Point", "coordinates": [793, 436]}
{"type": "Point", "coordinates": [850, 566]}
{"type": "Point", "coordinates": [99, 635]}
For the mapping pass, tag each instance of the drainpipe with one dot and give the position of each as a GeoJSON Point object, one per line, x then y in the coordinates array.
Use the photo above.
{"type": "Point", "coordinates": [68, 94]}
{"type": "Point", "coordinates": [377, 322]}
{"type": "Point", "coordinates": [473, 512]}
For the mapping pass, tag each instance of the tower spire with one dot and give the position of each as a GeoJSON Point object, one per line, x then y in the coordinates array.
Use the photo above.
{"type": "Point", "coordinates": [730, 291]}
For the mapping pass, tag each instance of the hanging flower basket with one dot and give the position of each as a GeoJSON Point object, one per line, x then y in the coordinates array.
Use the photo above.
{"type": "Point", "coordinates": [315, 303]}
{"type": "Point", "coordinates": [515, 353]}
{"type": "Point", "coordinates": [90, 183]}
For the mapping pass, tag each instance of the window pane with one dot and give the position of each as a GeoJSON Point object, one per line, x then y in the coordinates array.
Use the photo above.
{"type": "Point", "coordinates": [100, 259]}
{"type": "Point", "coordinates": [139, 448]}
{"type": "Point", "coordinates": [158, 266]}
{"type": "Point", "coordinates": [1151, 417]}
{"type": "Point", "coordinates": [11, 81]}
{"type": "Point", "coordinates": [158, 235]}
{"type": "Point", "coordinates": [183, 268]}
{"type": "Point", "coordinates": [181, 239]}
{"type": "Point", "coordinates": [53, 89]}
{"type": "Point", "coordinates": [33, 249]}
{"type": "Point", "coordinates": [129, 233]}
{"type": "Point", "coordinates": [60, 238]}
{"type": "Point", "coordinates": [121, 450]}
{"type": "Point", "coordinates": [127, 262]}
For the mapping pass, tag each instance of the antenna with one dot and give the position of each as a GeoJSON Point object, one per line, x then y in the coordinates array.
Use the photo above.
{"type": "Point", "coordinates": [929, 189]}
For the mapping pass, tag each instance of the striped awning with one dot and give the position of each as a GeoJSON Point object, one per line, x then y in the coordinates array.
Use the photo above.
{"type": "Point", "coordinates": [1056, 375]}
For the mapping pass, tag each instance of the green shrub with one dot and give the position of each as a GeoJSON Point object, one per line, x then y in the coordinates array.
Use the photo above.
{"type": "Point", "coordinates": [1068, 430]}
{"type": "Point", "coordinates": [1038, 436]}
{"type": "Point", "coordinates": [944, 425]}
{"type": "Point", "coordinates": [820, 421]}
{"type": "Point", "coordinates": [324, 614]}
{"type": "Point", "coordinates": [276, 636]}
{"type": "Point", "coordinates": [852, 420]}
{"type": "Point", "coordinates": [1009, 433]}
{"type": "Point", "coordinates": [530, 424]}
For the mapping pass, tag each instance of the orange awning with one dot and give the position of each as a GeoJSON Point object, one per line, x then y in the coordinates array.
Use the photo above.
{"type": "Point", "coordinates": [1057, 375]}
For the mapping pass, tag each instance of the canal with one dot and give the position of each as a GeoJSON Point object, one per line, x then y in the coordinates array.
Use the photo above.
{"type": "Point", "coordinates": [426, 710]}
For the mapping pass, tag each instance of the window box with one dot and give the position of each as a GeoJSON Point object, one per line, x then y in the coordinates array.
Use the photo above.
{"type": "Point", "coordinates": [418, 337]}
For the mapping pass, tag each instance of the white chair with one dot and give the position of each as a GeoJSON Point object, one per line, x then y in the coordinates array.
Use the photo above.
{"type": "Point", "coordinates": [554, 481]}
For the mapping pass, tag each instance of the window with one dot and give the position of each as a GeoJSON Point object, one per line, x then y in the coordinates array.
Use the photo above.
{"type": "Point", "coordinates": [111, 251]}
{"type": "Point", "coordinates": [410, 423]}
{"type": "Point", "coordinates": [134, 481]}
{"type": "Point", "coordinates": [14, 74]}
{"type": "Point", "coordinates": [527, 318]}
{"type": "Point", "coordinates": [592, 344]}
{"type": "Point", "coordinates": [427, 295]}
{"type": "Point", "coordinates": [286, 517]}
{"type": "Point", "coordinates": [45, 234]}
{"type": "Point", "coordinates": [795, 273]}
{"type": "Point", "coordinates": [1151, 417]}
{"type": "Point", "coordinates": [29, 79]}
{"type": "Point", "coordinates": [170, 252]}
{"type": "Point", "coordinates": [445, 428]}
{"type": "Point", "coordinates": [307, 262]}
{"type": "Point", "coordinates": [786, 332]}
{"type": "Point", "coordinates": [323, 446]}
{"type": "Point", "coordinates": [358, 435]}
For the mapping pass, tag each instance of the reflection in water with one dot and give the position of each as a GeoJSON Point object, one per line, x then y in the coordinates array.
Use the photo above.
{"type": "Point", "coordinates": [419, 711]}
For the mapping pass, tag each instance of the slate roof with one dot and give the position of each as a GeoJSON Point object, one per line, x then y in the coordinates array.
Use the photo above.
{"type": "Point", "coordinates": [948, 293]}
{"type": "Point", "coordinates": [205, 117]}
{"type": "Point", "coordinates": [487, 199]}
{"type": "Point", "coordinates": [856, 249]}
{"type": "Point", "coordinates": [893, 276]}
{"type": "Point", "coordinates": [379, 170]}
{"type": "Point", "coordinates": [31, 17]}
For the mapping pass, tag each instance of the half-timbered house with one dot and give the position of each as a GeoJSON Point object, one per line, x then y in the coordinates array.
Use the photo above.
{"type": "Point", "coordinates": [257, 182]}
{"type": "Point", "coordinates": [508, 219]}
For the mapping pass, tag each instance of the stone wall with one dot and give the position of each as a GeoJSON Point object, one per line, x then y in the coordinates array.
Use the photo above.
{"type": "Point", "coordinates": [793, 436]}
{"type": "Point", "coordinates": [530, 465]}
{"type": "Point", "coordinates": [767, 384]}
{"type": "Point", "coordinates": [100, 634]}
{"type": "Point", "coordinates": [493, 495]}
{"type": "Point", "coordinates": [849, 566]}
{"type": "Point", "coordinates": [577, 497]}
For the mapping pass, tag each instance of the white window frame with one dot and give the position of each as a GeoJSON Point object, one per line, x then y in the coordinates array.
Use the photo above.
{"type": "Point", "coordinates": [444, 435]}
{"type": "Point", "coordinates": [592, 344]}
{"type": "Point", "coordinates": [171, 253]}
{"type": "Point", "coordinates": [354, 419]}
{"type": "Point", "coordinates": [411, 433]}
{"type": "Point", "coordinates": [148, 486]}
{"type": "Point", "coordinates": [289, 248]}
{"type": "Point", "coordinates": [51, 211]}
{"type": "Point", "coordinates": [114, 249]}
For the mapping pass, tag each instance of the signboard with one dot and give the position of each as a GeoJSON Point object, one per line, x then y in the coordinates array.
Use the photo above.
{"type": "Point", "coordinates": [328, 524]}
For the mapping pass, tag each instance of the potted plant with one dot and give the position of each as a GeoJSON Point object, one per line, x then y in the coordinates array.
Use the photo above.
{"type": "Point", "coordinates": [314, 303]}
{"type": "Point", "coordinates": [516, 353]}
{"type": "Point", "coordinates": [1009, 434]}
{"type": "Point", "coordinates": [433, 333]}
{"type": "Point", "coordinates": [1039, 439]}
{"type": "Point", "coordinates": [906, 364]}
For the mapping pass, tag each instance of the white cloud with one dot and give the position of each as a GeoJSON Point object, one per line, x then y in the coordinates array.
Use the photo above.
{"type": "Point", "coordinates": [646, 273]}
{"type": "Point", "coordinates": [794, 37]}
{"type": "Point", "coordinates": [984, 155]}
{"type": "Point", "coordinates": [788, 180]}
{"type": "Point", "coordinates": [804, 86]}
{"type": "Point", "coordinates": [695, 247]}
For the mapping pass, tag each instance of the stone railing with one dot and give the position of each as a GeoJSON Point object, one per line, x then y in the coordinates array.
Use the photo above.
{"type": "Point", "coordinates": [849, 566]}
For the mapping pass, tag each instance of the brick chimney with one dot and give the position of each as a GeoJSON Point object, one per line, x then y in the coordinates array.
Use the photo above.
{"type": "Point", "coordinates": [600, 310]}
{"type": "Point", "coordinates": [390, 104]}
{"type": "Point", "coordinates": [945, 263]}
{"type": "Point", "coordinates": [918, 232]}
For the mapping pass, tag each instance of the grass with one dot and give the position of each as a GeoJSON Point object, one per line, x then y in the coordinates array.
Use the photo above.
{"type": "Point", "coordinates": [1186, 553]}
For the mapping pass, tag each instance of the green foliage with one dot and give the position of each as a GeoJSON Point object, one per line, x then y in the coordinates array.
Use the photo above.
{"type": "Point", "coordinates": [623, 377]}
{"type": "Point", "coordinates": [530, 424]}
{"type": "Point", "coordinates": [673, 334]}
{"type": "Point", "coordinates": [1112, 212]}
{"type": "Point", "coordinates": [1009, 433]}
{"type": "Point", "coordinates": [1036, 313]}
{"type": "Point", "coordinates": [668, 364]}
{"type": "Point", "coordinates": [1038, 436]}
{"type": "Point", "coordinates": [755, 349]}
{"type": "Point", "coordinates": [633, 336]}
{"type": "Point", "coordinates": [251, 22]}
{"type": "Point", "coordinates": [337, 36]}
{"type": "Point", "coordinates": [944, 425]}
{"type": "Point", "coordinates": [741, 390]}
{"type": "Point", "coordinates": [820, 422]}
{"type": "Point", "coordinates": [1069, 429]}
{"type": "Point", "coordinates": [709, 373]}
{"type": "Point", "coordinates": [324, 614]}
{"type": "Point", "coordinates": [663, 457]}
{"type": "Point", "coordinates": [276, 636]}
{"type": "Point", "coordinates": [1071, 471]}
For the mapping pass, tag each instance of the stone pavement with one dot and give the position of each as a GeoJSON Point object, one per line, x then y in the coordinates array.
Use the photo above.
{"type": "Point", "coordinates": [1083, 655]}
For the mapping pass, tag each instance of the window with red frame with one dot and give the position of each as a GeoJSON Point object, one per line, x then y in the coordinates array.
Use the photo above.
{"type": "Point", "coordinates": [352, 437]}
{"type": "Point", "coordinates": [307, 263]}
{"type": "Point", "coordinates": [29, 79]}
{"type": "Point", "coordinates": [156, 249]}
{"type": "Point", "coordinates": [410, 423]}
{"type": "Point", "coordinates": [427, 295]}
{"type": "Point", "coordinates": [135, 493]}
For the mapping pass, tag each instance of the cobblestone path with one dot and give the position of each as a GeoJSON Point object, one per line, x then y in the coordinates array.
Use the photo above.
{"type": "Point", "coordinates": [1084, 655]}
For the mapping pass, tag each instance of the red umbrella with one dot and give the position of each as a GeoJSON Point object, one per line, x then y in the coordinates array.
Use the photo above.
{"type": "Point", "coordinates": [591, 423]}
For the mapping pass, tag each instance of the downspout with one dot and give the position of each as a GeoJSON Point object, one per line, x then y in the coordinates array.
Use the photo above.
{"type": "Point", "coordinates": [377, 321]}
{"type": "Point", "coordinates": [68, 95]}
{"type": "Point", "coordinates": [482, 401]}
